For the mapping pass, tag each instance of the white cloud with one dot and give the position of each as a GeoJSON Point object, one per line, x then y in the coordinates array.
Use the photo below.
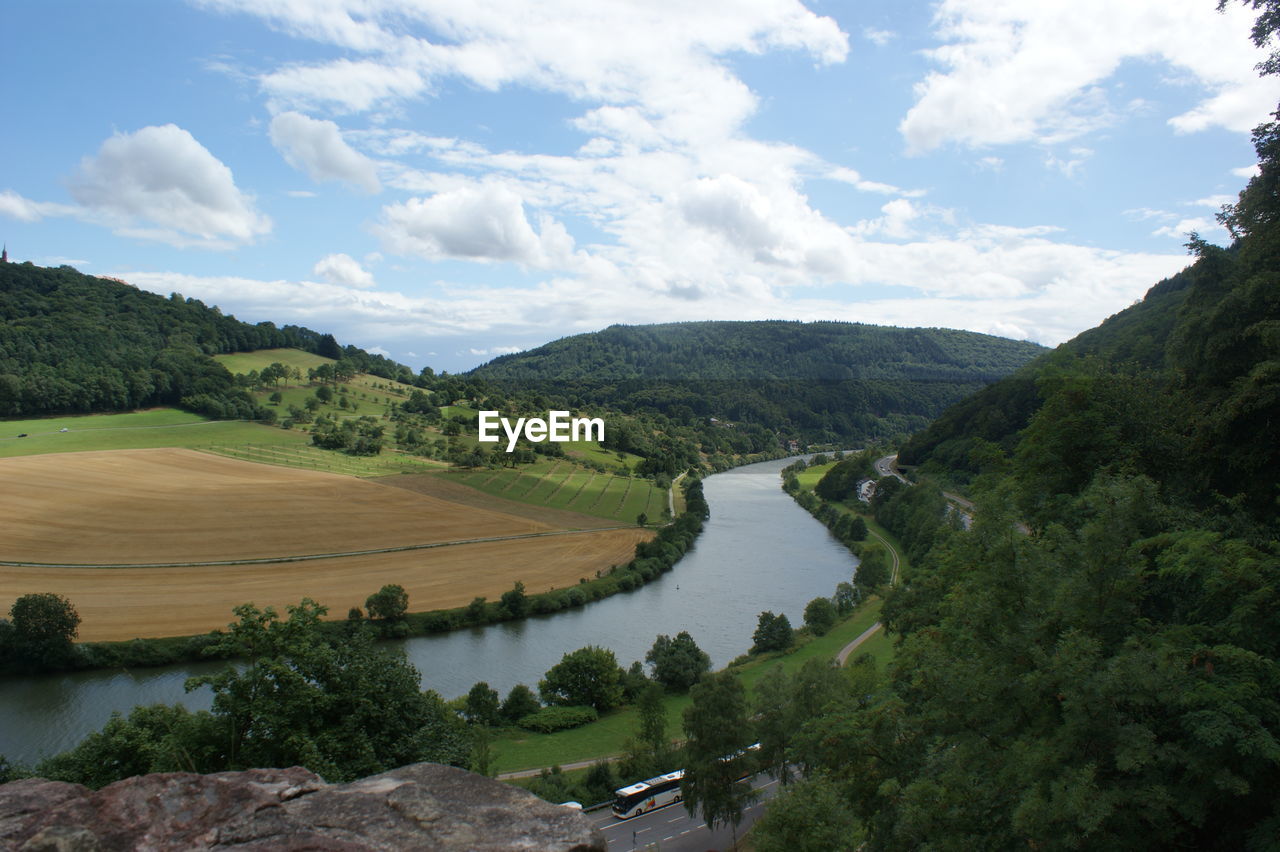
{"type": "Point", "coordinates": [317, 147]}
{"type": "Point", "coordinates": [1018, 72]}
{"type": "Point", "coordinates": [668, 66]}
{"type": "Point", "coordinates": [1247, 171]}
{"type": "Point", "coordinates": [851, 177]}
{"type": "Point", "coordinates": [344, 270]}
{"type": "Point", "coordinates": [163, 176]}
{"type": "Point", "coordinates": [1071, 164]}
{"type": "Point", "coordinates": [343, 84]}
{"type": "Point", "coordinates": [481, 222]}
{"type": "Point", "coordinates": [878, 37]}
{"type": "Point", "coordinates": [495, 350]}
{"type": "Point", "coordinates": [15, 206]}
{"type": "Point", "coordinates": [1199, 224]}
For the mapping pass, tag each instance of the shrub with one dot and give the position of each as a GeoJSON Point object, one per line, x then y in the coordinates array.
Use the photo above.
{"type": "Point", "coordinates": [550, 719]}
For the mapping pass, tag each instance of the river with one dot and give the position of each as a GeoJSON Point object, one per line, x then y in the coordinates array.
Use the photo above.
{"type": "Point", "coordinates": [758, 551]}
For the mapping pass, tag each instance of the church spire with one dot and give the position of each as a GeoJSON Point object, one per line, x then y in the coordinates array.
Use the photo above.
{"type": "Point", "coordinates": [4, 254]}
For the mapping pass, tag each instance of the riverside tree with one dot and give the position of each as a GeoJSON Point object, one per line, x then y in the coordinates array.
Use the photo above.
{"type": "Point", "coordinates": [718, 731]}
{"type": "Point", "coordinates": [343, 710]}
{"type": "Point", "coordinates": [40, 632]}
{"type": "Point", "coordinates": [677, 663]}
{"type": "Point", "coordinates": [588, 677]}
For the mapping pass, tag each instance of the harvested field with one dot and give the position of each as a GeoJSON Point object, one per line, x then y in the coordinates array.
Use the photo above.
{"type": "Point", "coordinates": [123, 603]}
{"type": "Point", "coordinates": [174, 505]}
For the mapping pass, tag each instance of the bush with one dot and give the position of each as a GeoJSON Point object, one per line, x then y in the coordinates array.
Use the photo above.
{"type": "Point", "coordinates": [550, 719]}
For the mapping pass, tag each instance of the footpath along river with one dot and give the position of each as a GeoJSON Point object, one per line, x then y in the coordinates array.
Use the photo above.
{"type": "Point", "coordinates": [759, 551]}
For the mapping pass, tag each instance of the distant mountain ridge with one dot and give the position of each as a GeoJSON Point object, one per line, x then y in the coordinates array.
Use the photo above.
{"type": "Point", "coordinates": [766, 350]}
{"type": "Point", "coordinates": [817, 382]}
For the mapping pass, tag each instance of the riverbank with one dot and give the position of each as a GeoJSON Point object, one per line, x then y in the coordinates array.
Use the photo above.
{"type": "Point", "coordinates": [606, 737]}
{"type": "Point", "coordinates": [652, 558]}
{"type": "Point", "coordinates": [724, 581]}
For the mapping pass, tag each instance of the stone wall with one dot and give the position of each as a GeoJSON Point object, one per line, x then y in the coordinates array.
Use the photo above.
{"type": "Point", "coordinates": [423, 806]}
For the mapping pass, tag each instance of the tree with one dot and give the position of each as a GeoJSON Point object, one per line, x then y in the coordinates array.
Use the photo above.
{"type": "Point", "coordinates": [642, 519]}
{"type": "Point", "coordinates": [520, 702]}
{"type": "Point", "coordinates": [845, 598]}
{"type": "Point", "coordinates": [773, 633]}
{"type": "Point", "coordinates": [481, 706]}
{"type": "Point", "coordinates": [515, 602]}
{"type": "Point", "coordinates": [811, 816]}
{"type": "Point", "coordinates": [389, 603]}
{"type": "Point", "coordinates": [152, 738]}
{"type": "Point", "coordinates": [677, 663]}
{"type": "Point", "coordinates": [589, 676]}
{"type": "Point", "coordinates": [481, 761]}
{"type": "Point", "coordinates": [717, 732]}
{"type": "Point", "coordinates": [820, 616]}
{"type": "Point", "coordinates": [42, 627]}
{"type": "Point", "coordinates": [324, 393]}
{"type": "Point", "coordinates": [343, 710]}
{"type": "Point", "coordinates": [476, 611]}
{"type": "Point", "coordinates": [276, 397]}
{"type": "Point", "coordinates": [653, 720]}
{"type": "Point", "coordinates": [873, 569]}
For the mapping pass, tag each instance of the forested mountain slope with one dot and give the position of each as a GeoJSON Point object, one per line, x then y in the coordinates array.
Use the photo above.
{"type": "Point", "coordinates": [819, 381]}
{"type": "Point", "coordinates": [74, 343]}
{"type": "Point", "coordinates": [1095, 662]}
{"type": "Point", "coordinates": [960, 441]}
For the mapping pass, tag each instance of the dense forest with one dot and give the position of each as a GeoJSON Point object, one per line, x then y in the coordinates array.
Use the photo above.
{"type": "Point", "coordinates": [1095, 662]}
{"type": "Point", "coordinates": [73, 343]}
{"type": "Point", "coordinates": [819, 382]}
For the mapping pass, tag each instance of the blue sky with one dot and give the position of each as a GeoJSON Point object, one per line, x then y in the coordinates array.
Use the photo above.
{"type": "Point", "coordinates": [447, 181]}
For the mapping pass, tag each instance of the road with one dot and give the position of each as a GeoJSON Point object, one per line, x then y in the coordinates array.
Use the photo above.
{"type": "Point", "coordinates": [674, 829]}
{"type": "Point", "coordinates": [887, 466]}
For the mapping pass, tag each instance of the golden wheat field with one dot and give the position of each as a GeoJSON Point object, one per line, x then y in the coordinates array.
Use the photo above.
{"type": "Point", "coordinates": [168, 506]}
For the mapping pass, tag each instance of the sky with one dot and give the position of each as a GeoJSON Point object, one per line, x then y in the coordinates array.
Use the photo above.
{"type": "Point", "coordinates": [444, 181]}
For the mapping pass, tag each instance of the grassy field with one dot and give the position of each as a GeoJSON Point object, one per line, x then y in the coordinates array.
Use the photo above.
{"type": "Point", "coordinates": [244, 362]}
{"type": "Point", "coordinates": [809, 477]}
{"type": "Point", "coordinates": [173, 506]}
{"type": "Point", "coordinates": [525, 750]}
{"type": "Point", "coordinates": [308, 457]}
{"type": "Point", "coordinates": [157, 427]}
{"type": "Point", "coordinates": [561, 484]}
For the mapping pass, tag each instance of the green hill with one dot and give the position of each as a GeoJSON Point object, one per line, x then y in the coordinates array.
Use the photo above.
{"type": "Point", "coordinates": [819, 382]}
{"type": "Point", "coordinates": [73, 343]}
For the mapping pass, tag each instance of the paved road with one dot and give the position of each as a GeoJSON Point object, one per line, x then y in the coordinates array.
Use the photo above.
{"type": "Point", "coordinates": [674, 829]}
{"type": "Point", "coordinates": [843, 656]}
{"type": "Point", "coordinates": [887, 466]}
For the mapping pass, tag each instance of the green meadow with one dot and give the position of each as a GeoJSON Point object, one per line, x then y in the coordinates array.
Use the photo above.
{"type": "Point", "coordinates": [561, 484]}
{"type": "Point", "coordinates": [244, 362]}
{"type": "Point", "coordinates": [157, 427]}
{"type": "Point", "coordinates": [518, 749]}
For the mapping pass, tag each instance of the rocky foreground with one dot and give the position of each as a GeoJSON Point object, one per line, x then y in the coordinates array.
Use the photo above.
{"type": "Point", "coordinates": [423, 806]}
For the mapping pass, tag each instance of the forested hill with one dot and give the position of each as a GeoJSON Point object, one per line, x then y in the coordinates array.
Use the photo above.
{"type": "Point", "coordinates": [768, 350]}
{"type": "Point", "coordinates": [816, 381]}
{"type": "Point", "coordinates": [1094, 661]}
{"type": "Point", "coordinates": [964, 437]}
{"type": "Point", "coordinates": [75, 343]}
{"type": "Point", "coordinates": [1183, 387]}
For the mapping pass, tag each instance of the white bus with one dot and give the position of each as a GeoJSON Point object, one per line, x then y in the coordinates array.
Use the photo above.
{"type": "Point", "coordinates": [648, 795]}
{"type": "Point", "coordinates": [645, 796]}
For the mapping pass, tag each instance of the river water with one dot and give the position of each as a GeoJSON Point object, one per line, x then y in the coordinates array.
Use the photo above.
{"type": "Point", "coordinates": [759, 551]}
